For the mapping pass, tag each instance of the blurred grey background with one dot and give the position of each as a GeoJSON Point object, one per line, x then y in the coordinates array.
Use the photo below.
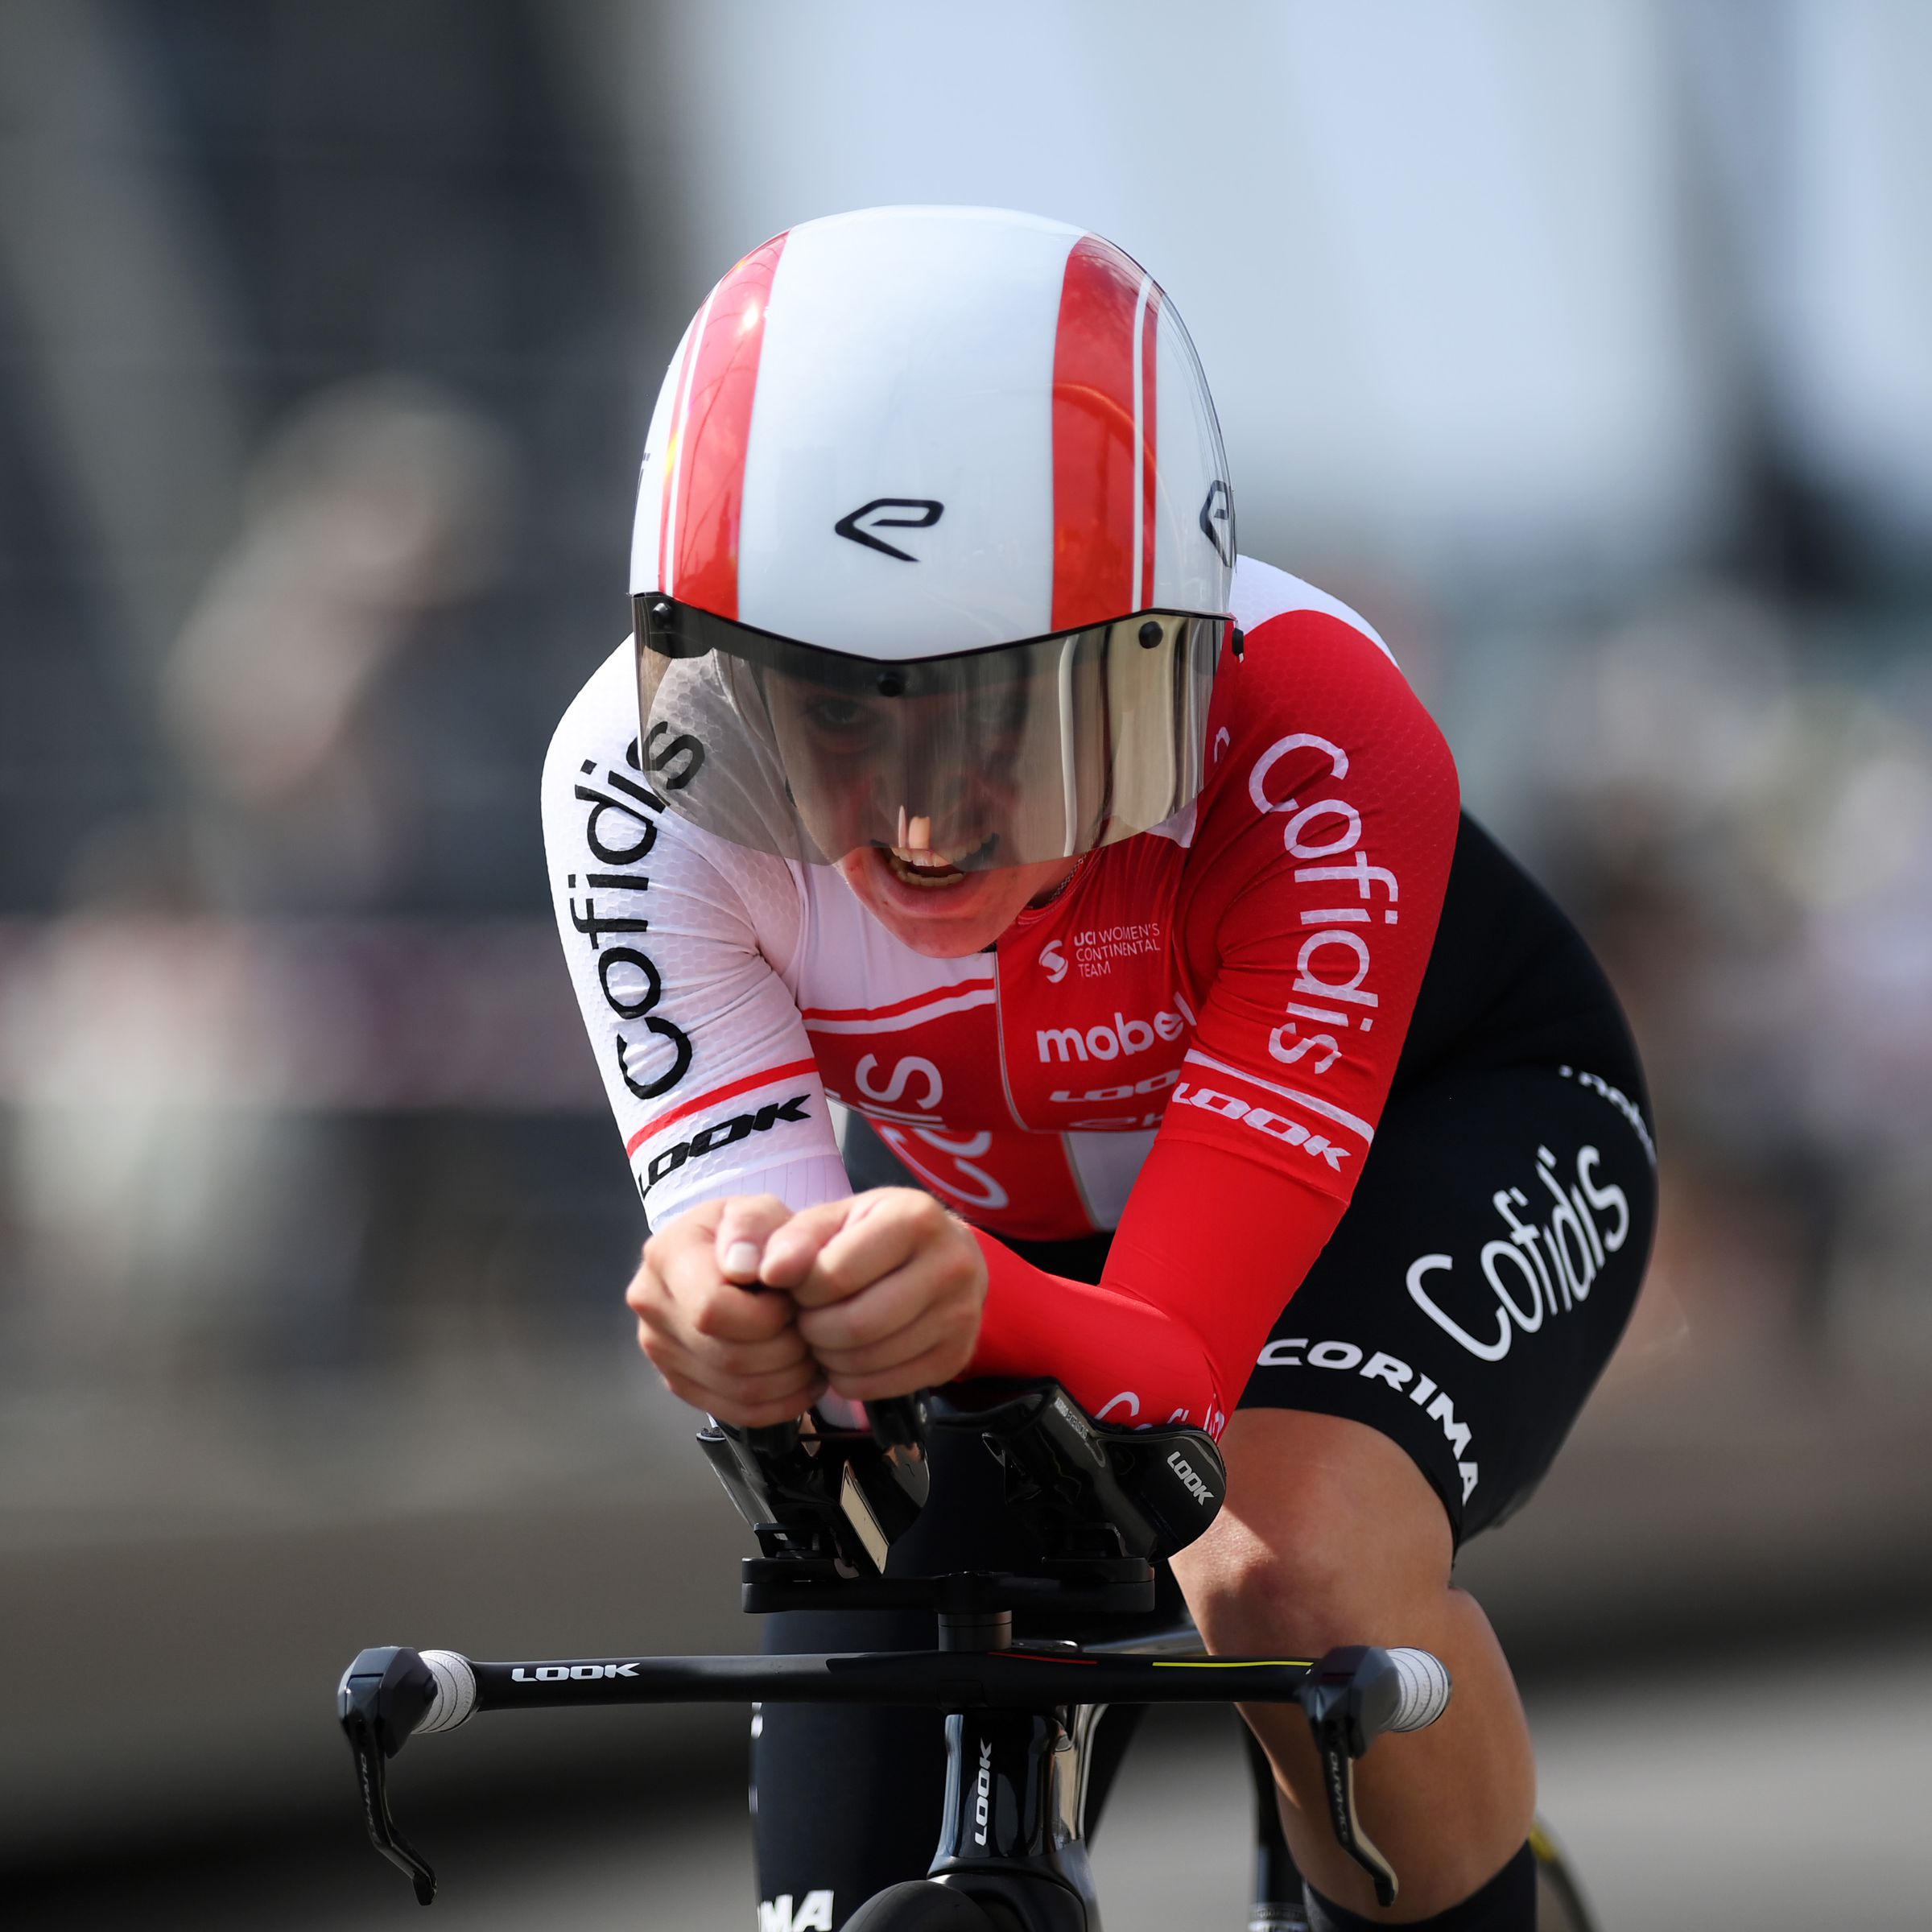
{"type": "Point", "coordinates": [1584, 349]}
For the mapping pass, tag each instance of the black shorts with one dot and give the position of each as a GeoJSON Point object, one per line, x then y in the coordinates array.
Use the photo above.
{"type": "Point", "coordinates": [1479, 1282]}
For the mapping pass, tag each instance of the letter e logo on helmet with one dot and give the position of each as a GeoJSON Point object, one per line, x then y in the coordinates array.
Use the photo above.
{"type": "Point", "coordinates": [860, 523]}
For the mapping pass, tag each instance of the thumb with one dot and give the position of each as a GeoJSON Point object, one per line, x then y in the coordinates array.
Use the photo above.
{"type": "Point", "coordinates": [791, 1250]}
{"type": "Point", "coordinates": [745, 1225]}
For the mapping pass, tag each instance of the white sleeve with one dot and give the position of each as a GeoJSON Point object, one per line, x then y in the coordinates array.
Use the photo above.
{"type": "Point", "coordinates": [670, 936]}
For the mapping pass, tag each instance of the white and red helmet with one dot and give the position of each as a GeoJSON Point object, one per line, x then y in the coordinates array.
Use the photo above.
{"type": "Point", "coordinates": [933, 526]}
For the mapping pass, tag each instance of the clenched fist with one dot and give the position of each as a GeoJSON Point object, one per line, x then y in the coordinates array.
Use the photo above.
{"type": "Point", "coordinates": [720, 1343]}
{"type": "Point", "coordinates": [750, 1311]}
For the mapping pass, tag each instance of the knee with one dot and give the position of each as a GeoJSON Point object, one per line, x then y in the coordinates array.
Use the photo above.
{"type": "Point", "coordinates": [1309, 1569]}
{"type": "Point", "coordinates": [1251, 1593]}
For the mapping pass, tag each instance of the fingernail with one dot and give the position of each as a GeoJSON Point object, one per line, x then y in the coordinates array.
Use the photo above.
{"type": "Point", "coordinates": [741, 1257]}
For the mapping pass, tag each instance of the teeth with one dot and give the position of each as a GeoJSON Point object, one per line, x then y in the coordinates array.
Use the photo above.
{"type": "Point", "coordinates": [930, 868]}
{"type": "Point", "coordinates": [924, 868]}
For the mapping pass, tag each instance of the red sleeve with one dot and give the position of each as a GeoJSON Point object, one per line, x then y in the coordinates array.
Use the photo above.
{"type": "Point", "coordinates": [1321, 855]}
{"type": "Point", "coordinates": [1171, 1330]}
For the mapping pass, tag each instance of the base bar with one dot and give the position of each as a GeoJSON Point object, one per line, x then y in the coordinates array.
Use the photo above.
{"type": "Point", "coordinates": [1017, 1679]}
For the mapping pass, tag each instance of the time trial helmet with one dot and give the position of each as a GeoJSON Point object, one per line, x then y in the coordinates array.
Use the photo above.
{"type": "Point", "coordinates": [934, 545]}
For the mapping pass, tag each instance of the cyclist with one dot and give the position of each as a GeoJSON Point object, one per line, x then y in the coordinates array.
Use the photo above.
{"type": "Point", "coordinates": [961, 774]}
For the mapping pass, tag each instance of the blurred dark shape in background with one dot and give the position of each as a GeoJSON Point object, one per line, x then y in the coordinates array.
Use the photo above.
{"type": "Point", "coordinates": [1587, 355]}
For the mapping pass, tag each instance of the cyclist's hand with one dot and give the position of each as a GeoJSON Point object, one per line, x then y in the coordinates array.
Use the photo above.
{"type": "Point", "coordinates": [720, 1346]}
{"type": "Point", "coordinates": [889, 1285]}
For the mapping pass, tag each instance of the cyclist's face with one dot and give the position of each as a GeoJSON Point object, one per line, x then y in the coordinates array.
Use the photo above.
{"type": "Point", "coordinates": [887, 782]}
{"type": "Point", "coordinates": [865, 770]}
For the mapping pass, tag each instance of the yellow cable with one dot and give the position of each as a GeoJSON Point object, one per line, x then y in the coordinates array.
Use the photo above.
{"type": "Point", "coordinates": [1237, 1663]}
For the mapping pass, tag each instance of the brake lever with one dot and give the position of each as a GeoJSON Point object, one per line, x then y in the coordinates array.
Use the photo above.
{"type": "Point", "coordinates": [1349, 1698]}
{"type": "Point", "coordinates": [385, 1694]}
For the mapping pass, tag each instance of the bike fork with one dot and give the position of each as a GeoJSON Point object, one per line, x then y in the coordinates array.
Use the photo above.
{"type": "Point", "coordinates": [1012, 1830]}
{"type": "Point", "coordinates": [1013, 1827]}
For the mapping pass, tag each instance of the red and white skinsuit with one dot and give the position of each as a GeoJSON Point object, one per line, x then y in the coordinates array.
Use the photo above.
{"type": "Point", "coordinates": [1191, 1044]}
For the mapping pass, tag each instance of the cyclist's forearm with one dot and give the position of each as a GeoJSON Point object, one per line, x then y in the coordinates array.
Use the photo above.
{"type": "Point", "coordinates": [1210, 1249]}
{"type": "Point", "coordinates": [1122, 1360]}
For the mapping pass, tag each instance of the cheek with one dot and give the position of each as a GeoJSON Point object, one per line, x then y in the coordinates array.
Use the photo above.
{"type": "Point", "coordinates": [852, 869]}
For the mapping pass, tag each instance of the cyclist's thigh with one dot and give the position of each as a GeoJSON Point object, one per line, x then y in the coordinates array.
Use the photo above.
{"type": "Point", "coordinates": [1480, 1279]}
{"type": "Point", "coordinates": [844, 1800]}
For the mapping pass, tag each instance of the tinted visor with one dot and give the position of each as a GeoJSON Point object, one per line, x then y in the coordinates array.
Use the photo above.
{"type": "Point", "coordinates": [1036, 750]}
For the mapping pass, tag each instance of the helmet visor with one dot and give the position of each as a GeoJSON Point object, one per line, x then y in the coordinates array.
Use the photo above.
{"type": "Point", "coordinates": [1041, 749]}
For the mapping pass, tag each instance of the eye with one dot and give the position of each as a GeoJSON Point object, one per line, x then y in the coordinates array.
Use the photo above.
{"type": "Point", "coordinates": [836, 714]}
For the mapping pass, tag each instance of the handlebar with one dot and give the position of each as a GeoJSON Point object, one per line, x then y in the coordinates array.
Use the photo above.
{"type": "Point", "coordinates": [1063, 1471]}
{"type": "Point", "coordinates": [422, 1692]}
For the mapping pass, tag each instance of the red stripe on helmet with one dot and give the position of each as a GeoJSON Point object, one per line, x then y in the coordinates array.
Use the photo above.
{"type": "Point", "coordinates": [710, 476]}
{"type": "Point", "coordinates": [1149, 441]}
{"type": "Point", "coordinates": [673, 441]}
{"type": "Point", "coordinates": [1150, 418]}
{"type": "Point", "coordinates": [1096, 478]}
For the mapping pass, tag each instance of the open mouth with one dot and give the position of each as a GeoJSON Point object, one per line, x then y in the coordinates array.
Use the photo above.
{"type": "Point", "coordinates": [932, 871]}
